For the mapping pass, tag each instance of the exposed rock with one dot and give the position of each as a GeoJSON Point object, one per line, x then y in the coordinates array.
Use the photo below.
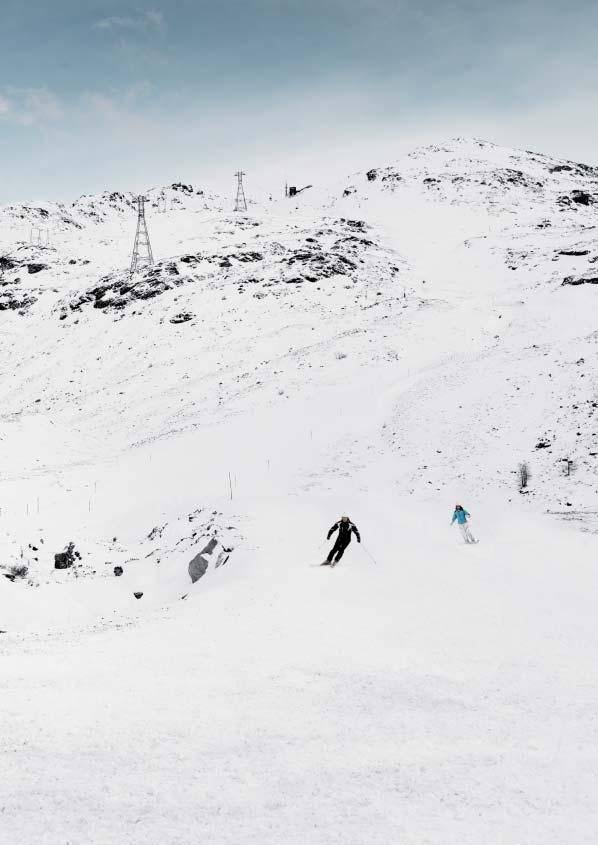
{"type": "Point", "coordinates": [577, 197]}
{"type": "Point", "coordinates": [197, 568]}
{"type": "Point", "coordinates": [183, 317]}
{"type": "Point", "coordinates": [573, 252]}
{"type": "Point", "coordinates": [590, 278]}
{"type": "Point", "coordinates": [65, 559]}
{"type": "Point", "coordinates": [36, 267]}
{"type": "Point", "coordinates": [318, 265]}
{"type": "Point", "coordinates": [137, 594]}
{"type": "Point", "coordinates": [15, 300]}
{"type": "Point", "coordinates": [185, 189]}
{"type": "Point", "coordinates": [117, 290]}
{"type": "Point", "coordinates": [248, 256]}
{"type": "Point", "coordinates": [391, 179]}
{"type": "Point", "coordinates": [61, 561]}
{"type": "Point", "coordinates": [199, 565]}
{"type": "Point", "coordinates": [582, 197]}
{"type": "Point", "coordinates": [8, 263]}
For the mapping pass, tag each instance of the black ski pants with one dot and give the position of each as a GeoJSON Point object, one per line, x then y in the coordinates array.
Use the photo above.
{"type": "Point", "coordinates": [338, 549]}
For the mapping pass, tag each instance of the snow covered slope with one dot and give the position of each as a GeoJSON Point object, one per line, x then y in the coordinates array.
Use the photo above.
{"type": "Point", "coordinates": [384, 346]}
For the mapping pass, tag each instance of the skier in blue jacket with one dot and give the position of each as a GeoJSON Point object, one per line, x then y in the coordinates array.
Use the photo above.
{"type": "Point", "coordinates": [460, 516]}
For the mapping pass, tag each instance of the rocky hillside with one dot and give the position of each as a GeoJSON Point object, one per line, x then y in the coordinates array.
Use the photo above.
{"type": "Point", "coordinates": [449, 297]}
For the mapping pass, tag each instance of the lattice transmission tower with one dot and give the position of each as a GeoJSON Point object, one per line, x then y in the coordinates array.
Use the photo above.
{"type": "Point", "coordinates": [240, 202]}
{"type": "Point", "coordinates": [142, 249]}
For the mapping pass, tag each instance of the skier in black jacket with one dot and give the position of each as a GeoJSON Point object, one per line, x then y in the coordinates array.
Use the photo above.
{"type": "Point", "coordinates": [345, 527]}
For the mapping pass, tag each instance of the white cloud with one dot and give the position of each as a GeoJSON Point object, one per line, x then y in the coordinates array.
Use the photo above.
{"type": "Point", "coordinates": [30, 106]}
{"type": "Point", "coordinates": [149, 20]}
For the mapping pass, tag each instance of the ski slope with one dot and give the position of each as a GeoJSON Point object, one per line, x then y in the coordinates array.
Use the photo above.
{"type": "Point", "coordinates": [400, 344]}
{"type": "Point", "coordinates": [443, 694]}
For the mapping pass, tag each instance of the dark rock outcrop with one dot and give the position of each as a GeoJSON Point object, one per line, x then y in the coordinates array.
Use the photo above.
{"type": "Point", "coordinates": [582, 279]}
{"type": "Point", "coordinates": [12, 299]}
{"type": "Point", "coordinates": [117, 290]}
{"type": "Point", "coordinates": [577, 198]}
{"type": "Point", "coordinates": [582, 197]}
{"type": "Point", "coordinates": [65, 559]}
{"type": "Point", "coordinates": [8, 263]}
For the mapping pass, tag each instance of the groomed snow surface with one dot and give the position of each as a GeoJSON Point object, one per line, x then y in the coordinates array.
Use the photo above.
{"type": "Point", "coordinates": [423, 691]}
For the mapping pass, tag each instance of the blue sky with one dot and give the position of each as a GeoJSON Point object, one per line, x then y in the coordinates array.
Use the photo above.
{"type": "Point", "coordinates": [126, 95]}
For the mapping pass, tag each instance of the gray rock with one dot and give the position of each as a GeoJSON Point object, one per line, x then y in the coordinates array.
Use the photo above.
{"type": "Point", "coordinates": [199, 565]}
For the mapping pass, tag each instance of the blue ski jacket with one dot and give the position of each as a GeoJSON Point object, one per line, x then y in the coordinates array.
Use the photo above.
{"type": "Point", "coordinates": [460, 516]}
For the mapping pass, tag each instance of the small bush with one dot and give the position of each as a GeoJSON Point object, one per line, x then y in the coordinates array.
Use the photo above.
{"type": "Point", "coordinates": [523, 475]}
{"type": "Point", "coordinates": [19, 570]}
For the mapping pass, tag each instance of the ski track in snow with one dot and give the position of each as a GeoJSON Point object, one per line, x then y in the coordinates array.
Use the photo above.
{"type": "Point", "coordinates": [420, 692]}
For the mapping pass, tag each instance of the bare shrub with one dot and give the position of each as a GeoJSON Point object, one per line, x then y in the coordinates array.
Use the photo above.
{"type": "Point", "coordinates": [523, 475]}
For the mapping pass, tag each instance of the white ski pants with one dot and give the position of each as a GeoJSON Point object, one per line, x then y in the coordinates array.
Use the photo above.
{"type": "Point", "coordinates": [467, 535]}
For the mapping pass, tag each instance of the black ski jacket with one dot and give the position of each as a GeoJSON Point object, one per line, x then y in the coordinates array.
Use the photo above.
{"type": "Point", "coordinates": [344, 531]}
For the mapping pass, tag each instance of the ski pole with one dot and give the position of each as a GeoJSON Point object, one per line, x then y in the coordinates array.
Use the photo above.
{"type": "Point", "coordinates": [371, 557]}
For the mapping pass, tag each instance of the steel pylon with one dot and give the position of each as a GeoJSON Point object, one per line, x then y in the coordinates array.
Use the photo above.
{"type": "Point", "coordinates": [240, 202]}
{"type": "Point", "coordinates": [142, 249]}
